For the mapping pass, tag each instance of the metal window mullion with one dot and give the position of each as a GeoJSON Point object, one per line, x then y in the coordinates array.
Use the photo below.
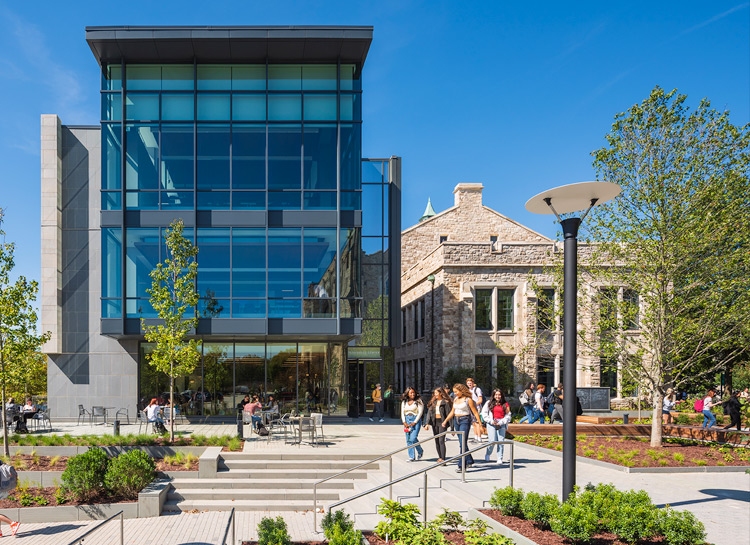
{"type": "Point", "coordinates": [123, 235]}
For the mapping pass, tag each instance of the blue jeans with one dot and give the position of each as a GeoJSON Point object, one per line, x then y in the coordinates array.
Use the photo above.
{"type": "Point", "coordinates": [529, 414]}
{"type": "Point", "coordinates": [377, 410]}
{"type": "Point", "coordinates": [708, 418]}
{"type": "Point", "coordinates": [463, 423]}
{"type": "Point", "coordinates": [411, 437]}
{"type": "Point", "coordinates": [495, 434]}
{"type": "Point", "coordinates": [537, 415]}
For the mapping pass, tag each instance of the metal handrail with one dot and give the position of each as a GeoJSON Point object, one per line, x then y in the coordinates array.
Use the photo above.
{"type": "Point", "coordinates": [390, 469]}
{"type": "Point", "coordinates": [95, 528]}
{"type": "Point", "coordinates": [226, 531]}
{"type": "Point", "coordinates": [425, 470]}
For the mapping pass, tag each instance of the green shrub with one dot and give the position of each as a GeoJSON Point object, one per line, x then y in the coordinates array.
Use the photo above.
{"type": "Point", "coordinates": [631, 522]}
{"type": "Point", "coordinates": [401, 520]}
{"type": "Point", "coordinates": [492, 539]}
{"type": "Point", "coordinates": [574, 521]}
{"type": "Point", "coordinates": [451, 520]}
{"type": "Point", "coordinates": [84, 475]}
{"type": "Point", "coordinates": [539, 508]}
{"type": "Point", "coordinates": [681, 527]}
{"type": "Point", "coordinates": [273, 532]}
{"type": "Point", "coordinates": [336, 519]}
{"type": "Point", "coordinates": [507, 500]}
{"type": "Point", "coordinates": [130, 473]}
{"type": "Point", "coordinates": [60, 496]}
{"type": "Point", "coordinates": [423, 535]}
{"type": "Point", "coordinates": [343, 536]}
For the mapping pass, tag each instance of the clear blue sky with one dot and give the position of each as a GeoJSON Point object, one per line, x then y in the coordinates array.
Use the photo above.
{"type": "Point", "coordinates": [514, 95]}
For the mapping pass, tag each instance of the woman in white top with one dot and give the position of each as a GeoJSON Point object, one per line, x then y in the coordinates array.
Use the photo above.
{"type": "Point", "coordinates": [667, 406]}
{"type": "Point", "coordinates": [153, 415]}
{"type": "Point", "coordinates": [411, 416]}
{"type": "Point", "coordinates": [709, 420]}
{"type": "Point", "coordinates": [463, 408]}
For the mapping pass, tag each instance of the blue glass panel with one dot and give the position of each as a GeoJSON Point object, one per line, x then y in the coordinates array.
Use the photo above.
{"type": "Point", "coordinates": [351, 255]}
{"type": "Point", "coordinates": [319, 200]}
{"type": "Point", "coordinates": [140, 308]}
{"type": "Point", "coordinates": [319, 308]}
{"type": "Point", "coordinates": [351, 107]}
{"type": "Point", "coordinates": [213, 200]}
{"type": "Point", "coordinates": [372, 172]}
{"type": "Point", "coordinates": [372, 245]}
{"type": "Point", "coordinates": [249, 200]}
{"type": "Point", "coordinates": [284, 200]}
{"type": "Point", "coordinates": [175, 77]}
{"type": "Point", "coordinates": [142, 107]}
{"type": "Point", "coordinates": [111, 200]}
{"type": "Point", "coordinates": [385, 206]}
{"type": "Point", "coordinates": [214, 144]}
{"type": "Point", "coordinates": [111, 107]}
{"type": "Point", "coordinates": [284, 262]}
{"type": "Point", "coordinates": [248, 308]}
{"type": "Point", "coordinates": [251, 77]}
{"type": "Point", "coordinates": [351, 200]}
{"type": "Point", "coordinates": [214, 260]}
{"type": "Point", "coordinates": [284, 308]}
{"type": "Point", "coordinates": [351, 156]}
{"type": "Point", "coordinates": [284, 108]}
{"type": "Point", "coordinates": [111, 308]}
{"type": "Point", "coordinates": [143, 77]}
{"type": "Point", "coordinates": [249, 263]}
{"type": "Point", "coordinates": [214, 77]}
{"type": "Point", "coordinates": [350, 80]}
{"type": "Point", "coordinates": [284, 156]}
{"type": "Point", "coordinates": [142, 200]}
{"type": "Point", "coordinates": [320, 156]}
{"type": "Point", "coordinates": [320, 107]}
{"type": "Point", "coordinates": [284, 77]}
{"type": "Point", "coordinates": [111, 262]}
{"type": "Point", "coordinates": [319, 255]}
{"type": "Point", "coordinates": [177, 157]}
{"type": "Point", "coordinates": [249, 107]}
{"type": "Point", "coordinates": [177, 107]}
{"type": "Point", "coordinates": [213, 107]}
{"type": "Point", "coordinates": [141, 167]}
{"type": "Point", "coordinates": [142, 256]}
{"type": "Point", "coordinates": [212, 307]}
{"type": "Point", "coordinates": [177, 200]}
{"type": "Point", "coordinates": [111, 156]}
{"type": "Point", "coordinates": [372, 210]}
{"type": "Point", "coordinates": [249, 157]}
{"type": "Point", "coordinates": [319, 77]}
{"type": "Point", "coordinates": [112, 78]}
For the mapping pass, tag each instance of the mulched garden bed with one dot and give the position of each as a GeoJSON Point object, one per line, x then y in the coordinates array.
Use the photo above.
{"type": "Point", "coordinates": [547, 537]}
{"type": "Point", "coordinates": [633, 452]}
{"type": "Point", "coordinates": [293, 543]}
{"type": "Point", "coordinates": [28, 462]}
{"type": "Point", "coordinates": [455, 538]}
{"type": "Point", "coordinates": [46, 496]}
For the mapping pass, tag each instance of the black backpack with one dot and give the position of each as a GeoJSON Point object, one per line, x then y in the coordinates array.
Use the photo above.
{"type": "Point", "coordinates": [262, 430]}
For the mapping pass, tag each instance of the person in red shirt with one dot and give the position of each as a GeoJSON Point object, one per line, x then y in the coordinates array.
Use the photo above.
{"type": "Point", "coordinates": [496, 414]}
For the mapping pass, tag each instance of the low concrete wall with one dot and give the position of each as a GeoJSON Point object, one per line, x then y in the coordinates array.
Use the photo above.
{"type": "Point", "coordinates": [208, 463]}
{"type": "Point", "coordinates": [151, 499]}
{"type": "Point", "coordinates": [44, 479]}
{"type": "Point", "coordinates": [154, 452]}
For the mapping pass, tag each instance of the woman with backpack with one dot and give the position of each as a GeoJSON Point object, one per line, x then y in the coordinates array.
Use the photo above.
{"type": "Point", "coordinates": [496, 414]}
{"type": "Point", "coordinates": [538, 409]}
{"type": "Point", "coordinates": [709, 420]}
{"type": "Point", "coordinates": [527, 402]}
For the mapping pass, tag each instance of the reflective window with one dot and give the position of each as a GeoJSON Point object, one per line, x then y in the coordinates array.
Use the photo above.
{"type": "Point", "coordinates": [350, 80]}
{"type": "Point", "coordinates": [112, 77]}
{"type": "Point", "coordinates": [319, 77]}
{"type": "Point", "coordinates": [111, 200]}
{"type": "Point", "coordinates": [177, 157]}
{"type": "Point", "coordinates": [111, 156]}
{"type": "Point", "coordinates": [177, 107]}
{"type": "Point", "coordinates": [214, 77]}
{"type": "Point", "coordinates": [284, 77]}
{"type": "Point", "coordinates": [249, 157]}
{"type": "Point", "coordinates": [351, 156]}
{"type": "Point", "coordinates": [214, 143]}
{"type": "Point", "coordinates": [142, 256]}
{"type": "Point", "coordinates": [284, 200]}
{"type": "Point", "coordinates": [141, 168]}
{"type": "Point", "coordinates": [213, 200]}
{"type": "Point", "coordinates": [214, 263]}
{"type": "Point", "coordinates": [319, 200]}
{"type": "Point", "coordinates": [281, 374]}
{"type": "Point", "coordinates": [320, 157]}
{"type": "Point", "coordinates": [350, 262]}
{"type": "Point", "coordinates": [284, 156]}
{"type": "Point", "coordinates": [248, 308]}
{"type": "Point", "coordinates": [372, 209]}
{"type": "Point", "coordinates": [111, 262]}
{"type": "Point", "coordinates": [111, 107]}
{"type": "Point", "coordinates": [505, 309]}
{"type": "Point", "coordinates": [143, 77]}
{"type": "Point", "coordinates": [284, 107]}
{"type": "Point", "coordinates": [320, 107]}
{"type": "Point", "coordinates": [284, 262]}
{"type": "Point", "coordinates": [483, 310]}
{"type": "Point", "coordinates": [285, 308]}
{"type": "Point", "coordinates": [142, 107]}
{"type": "Point", "coordinates": [319, 274]}
{"type": "Point", "coordinates": [249, 371]}
{"type": "Point", "coordinates": [218, 379]}
{"type": "Point", "coordinates": [350, 107]}
{"type": "Point", "coordinates": [249, 263]}
{"type": "Point", "coordinates": [142, 200]}
{"type": "Point", "coordinates": [351, 200]}
{"type": "Point", "coordinates": [250, 77]}
{"type": "Point", "coordinates": [248, 200]}
{"type": "Point", "coordinates": [249, 107]}
{"type": "Point", "coordinates": [175, 77]}
{"type": "Point", "coordinates": [177, 200]}
{"type": "Point", "coordinates": [213, 107]}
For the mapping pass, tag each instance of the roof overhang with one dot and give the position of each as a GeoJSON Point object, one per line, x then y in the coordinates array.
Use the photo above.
{"type": "Point", "coordinates": [229, 44]}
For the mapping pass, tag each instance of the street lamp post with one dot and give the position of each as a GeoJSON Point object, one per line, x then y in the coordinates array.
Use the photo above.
{"type": "Point", "coordinates": [564, 200]}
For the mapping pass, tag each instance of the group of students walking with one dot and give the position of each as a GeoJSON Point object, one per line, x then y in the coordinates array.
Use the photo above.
{"type": "Point", "coordinates": [461, 407]}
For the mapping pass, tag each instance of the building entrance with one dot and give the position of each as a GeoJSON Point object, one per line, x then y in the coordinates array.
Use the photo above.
{"type": "Point", "coordinates": [363, 376]}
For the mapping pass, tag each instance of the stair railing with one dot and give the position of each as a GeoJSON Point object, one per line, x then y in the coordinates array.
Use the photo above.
{"type": "Point", "coordinates": [80, 539]}
{"type": "Point", "coordinates": [390, 469]}
{"type": "Point", "coordinates": [230, 524]}
{"type": "Point", "coordinates": [425, 471]}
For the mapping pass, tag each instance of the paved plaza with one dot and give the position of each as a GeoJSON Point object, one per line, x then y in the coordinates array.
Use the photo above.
{"type": "Point", "coordinates": [720, 500]}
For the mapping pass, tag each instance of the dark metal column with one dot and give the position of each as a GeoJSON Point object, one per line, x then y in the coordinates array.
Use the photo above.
{"type": "Point", "coordinates": [570, 304]}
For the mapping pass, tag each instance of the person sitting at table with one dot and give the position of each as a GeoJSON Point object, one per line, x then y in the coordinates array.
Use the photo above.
{"type": "Point", "coordinates": [251, 409]}
{"type": "Point", "coordinates": [10, 405]}
{"type": "Point", "coordinates": [273, 405]}
{"type": "Point", "coordinates": [153, 415]}
{"type": "Point", "coordinates": [27, 411]}
{"type": "Point", "coordinates": [245, 401]}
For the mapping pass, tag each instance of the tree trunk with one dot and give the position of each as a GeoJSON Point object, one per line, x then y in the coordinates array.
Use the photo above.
{"type": "Point", "coordinates": [6, 446]}
{"type": "Point", "coordinates": [656, 424]}
{"type": "Point", "coordinates": [171, 402]}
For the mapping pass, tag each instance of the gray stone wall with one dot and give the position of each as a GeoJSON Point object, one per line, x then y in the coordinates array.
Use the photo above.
{"type": "Point", "coordinates": [84, 367]}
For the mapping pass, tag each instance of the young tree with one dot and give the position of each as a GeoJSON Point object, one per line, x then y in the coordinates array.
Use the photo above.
{"type": "Point", "coordinates": [679, 237]}
{"type": "Point", "coordinates": [18, 321]}
{"type": "Point", "coordinates": [173, 296]}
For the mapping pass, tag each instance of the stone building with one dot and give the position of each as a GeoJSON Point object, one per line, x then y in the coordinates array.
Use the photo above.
{"type": "Point", "coordinates": [495, 313]}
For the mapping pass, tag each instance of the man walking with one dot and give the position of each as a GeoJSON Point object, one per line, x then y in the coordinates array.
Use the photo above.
{"type": "Point", "coordinates": [377, 402]}
{"type": "Point", "coordinates": [478, 398]}
{"type": "Point", "coordinates": [557, 408]}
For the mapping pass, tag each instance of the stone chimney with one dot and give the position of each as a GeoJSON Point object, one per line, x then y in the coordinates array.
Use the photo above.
{"type": "Point", "coordinates": [468, 195]}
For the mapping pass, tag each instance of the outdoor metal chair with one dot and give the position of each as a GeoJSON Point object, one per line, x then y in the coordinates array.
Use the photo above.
{"type": "Point", "coordinates": [307, 425]}
{"type": "Point", "coordinates": [41, 417]}
{"type": "Point", "coordinates": [142, 420]}
{"type": "Point", "coordinates": [121, 411]}
{"type": "Point", "coordinates": [97, 412]}
{"type": "Point", "coordinates": [83, 413]}
{"type": "Point", "coordinates": [318, 418]}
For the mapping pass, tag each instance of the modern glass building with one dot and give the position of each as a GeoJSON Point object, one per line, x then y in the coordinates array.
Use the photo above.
{"type": "Point", "coordinates": [251, 136]}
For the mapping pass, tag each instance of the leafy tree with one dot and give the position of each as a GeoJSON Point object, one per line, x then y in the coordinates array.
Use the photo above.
{"type": "Point", "coordinates": [173, 296]}
{"type": "Point", "coordinates": [31, 376]}
{"type": "Point", "coordinates": [679, 237]}
{"type": "Point", "coordinates": [18, 320]}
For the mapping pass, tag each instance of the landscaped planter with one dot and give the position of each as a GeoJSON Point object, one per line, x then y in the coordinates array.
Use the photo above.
{"type": "Point", "coordinates": [153, 451]}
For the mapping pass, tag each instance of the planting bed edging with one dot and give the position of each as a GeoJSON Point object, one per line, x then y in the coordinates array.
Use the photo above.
{"type": "Point", "coordinates": [154, 452]}
{"type": "Point", "coordinates": [44, 479]}
{"type": "Point", "coordinates": [624, 469]}
{"type": "Point", "coordinates": [501, 529]}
